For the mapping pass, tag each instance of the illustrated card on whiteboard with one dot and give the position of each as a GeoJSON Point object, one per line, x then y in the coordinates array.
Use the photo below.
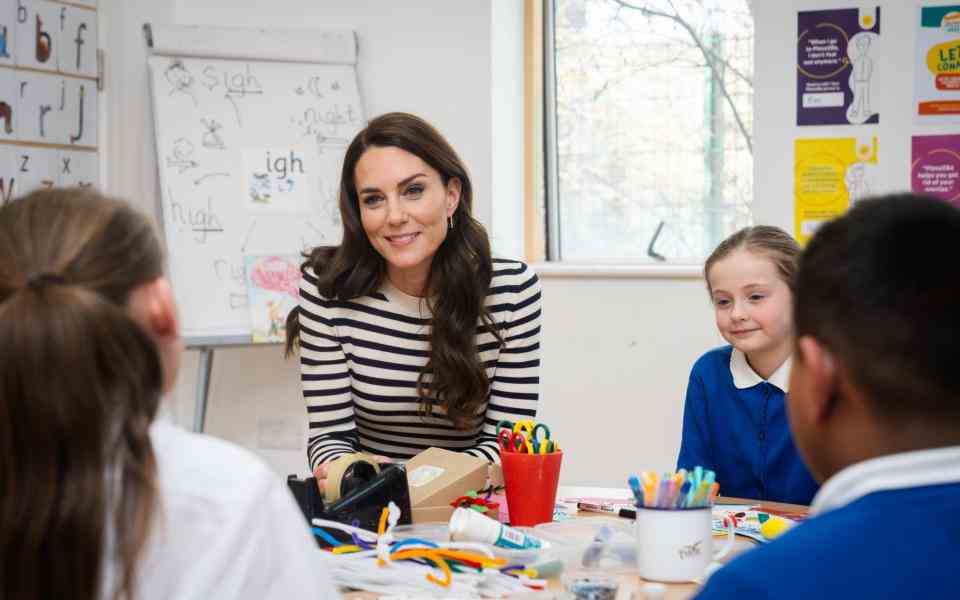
{"type": "Point", "coordinates": [273, 284]}
{"type": "Point", "coordinates": [280, 180]}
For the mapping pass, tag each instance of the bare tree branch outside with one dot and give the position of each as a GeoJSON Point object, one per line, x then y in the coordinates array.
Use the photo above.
{"type": "Point", "coordinates": [654, 127]}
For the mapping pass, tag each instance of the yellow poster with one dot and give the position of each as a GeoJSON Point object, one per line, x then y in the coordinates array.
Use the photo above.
{"type": "Point", "coordinates": [830, 175]}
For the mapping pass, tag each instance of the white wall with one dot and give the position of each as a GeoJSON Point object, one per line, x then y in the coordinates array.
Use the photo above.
{"type": "Point", "coordinates": [616, 356]}
{"type": "Point", "coordinates": [616, 351]}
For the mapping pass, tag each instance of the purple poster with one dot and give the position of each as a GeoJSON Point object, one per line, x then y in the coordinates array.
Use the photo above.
{"type": "Point", "coordinates": [837, 66]}
{"type": "Point", "coordinates": [935, 167]}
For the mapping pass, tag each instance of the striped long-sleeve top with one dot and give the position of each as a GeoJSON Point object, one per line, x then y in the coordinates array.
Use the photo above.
{"type": "Point", "coordinates": [360, 360]}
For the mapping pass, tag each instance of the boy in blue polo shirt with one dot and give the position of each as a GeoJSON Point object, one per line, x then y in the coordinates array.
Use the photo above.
{"type": "Point", "coordinates": [874, 406]}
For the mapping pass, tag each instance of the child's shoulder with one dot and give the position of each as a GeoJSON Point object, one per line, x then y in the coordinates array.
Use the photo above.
{"type": "Point", "coordinates": [715, 359]}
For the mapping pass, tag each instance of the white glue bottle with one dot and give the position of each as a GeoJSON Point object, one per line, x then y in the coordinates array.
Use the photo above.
{"type": "Point", "coordinates": [467, 525]}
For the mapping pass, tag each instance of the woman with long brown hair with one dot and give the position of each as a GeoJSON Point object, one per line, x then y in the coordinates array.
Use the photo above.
{"type": "Point", "coordinates": [411, 335]}
{"type": "Point", "coordinates": [99, 498]}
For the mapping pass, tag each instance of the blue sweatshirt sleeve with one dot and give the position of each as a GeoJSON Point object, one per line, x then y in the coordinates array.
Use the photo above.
{"type": "Point", "coordinates": [695, 446]}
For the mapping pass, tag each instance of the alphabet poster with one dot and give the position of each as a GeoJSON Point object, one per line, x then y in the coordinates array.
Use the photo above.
{"type": "Point", "coordinates": [836, 66]}
{"type": "Point", "coordinates": [830, 175]}
{"type": "Point", "coordinates": [48, 95]}
{"type": "Point", "coordinates": [937, 84]}
{"type": "Point", "coordinates": [935, 167]}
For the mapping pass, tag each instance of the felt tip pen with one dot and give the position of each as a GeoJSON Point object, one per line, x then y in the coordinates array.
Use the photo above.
{"type": "Point", "coordinates": [626, 513]}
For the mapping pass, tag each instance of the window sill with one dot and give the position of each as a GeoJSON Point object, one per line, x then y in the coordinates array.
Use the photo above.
{"type": "Point", "coordinates": [561, 270]}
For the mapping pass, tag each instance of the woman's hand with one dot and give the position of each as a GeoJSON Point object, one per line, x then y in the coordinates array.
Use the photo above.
{"type": "Point", "coordinates": [320, 473]}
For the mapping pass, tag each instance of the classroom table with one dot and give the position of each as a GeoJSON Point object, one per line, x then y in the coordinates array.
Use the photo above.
{"type": "Point", "coordinates": [674, 591]}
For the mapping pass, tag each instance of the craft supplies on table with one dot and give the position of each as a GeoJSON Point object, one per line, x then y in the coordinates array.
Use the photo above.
{"type": "Point", "coordinates": [751, 521]}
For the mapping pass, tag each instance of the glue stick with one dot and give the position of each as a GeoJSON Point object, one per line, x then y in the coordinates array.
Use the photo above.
{"type": "Point", "coordinates": [467, 525]}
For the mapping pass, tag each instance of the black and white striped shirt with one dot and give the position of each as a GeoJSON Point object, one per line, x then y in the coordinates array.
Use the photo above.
{"type": "Point", "coordinates": [360, 360]}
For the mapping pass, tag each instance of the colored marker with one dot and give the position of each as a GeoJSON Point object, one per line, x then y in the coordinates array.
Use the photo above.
{"type": "Point", "coordinates": [682, 497]}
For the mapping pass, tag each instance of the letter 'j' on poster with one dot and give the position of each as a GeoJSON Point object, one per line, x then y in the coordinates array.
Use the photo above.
{"type": "Point", "coordinates": [837, 61]}
{"type": "Point", "coordinates": [937, 85]}
{"type": "Point", "coordinates": [830, 175]}
{"type": "Point", "coordinates": [935, 167]}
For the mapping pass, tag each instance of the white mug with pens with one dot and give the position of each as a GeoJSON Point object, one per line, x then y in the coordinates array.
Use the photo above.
{"type": "Point", "coordinates": [677, 544]}
{"type": "Point", "coordinates": [674, 525]}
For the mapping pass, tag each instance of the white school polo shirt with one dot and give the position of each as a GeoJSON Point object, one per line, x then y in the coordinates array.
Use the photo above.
{"type": "Point", "coordinates": [226, 527]}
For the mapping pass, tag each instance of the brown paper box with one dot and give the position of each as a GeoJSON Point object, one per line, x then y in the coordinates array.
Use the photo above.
{"type": "Point", "coordinates": [437, 477]}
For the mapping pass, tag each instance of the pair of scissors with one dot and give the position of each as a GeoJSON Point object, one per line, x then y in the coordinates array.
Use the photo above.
{"type": "Point", "coordinates": [540, 445]}
{"type": "Point", "coordinates": [524, 426]}
{"type": "Point", "coordinates": [513, 441]}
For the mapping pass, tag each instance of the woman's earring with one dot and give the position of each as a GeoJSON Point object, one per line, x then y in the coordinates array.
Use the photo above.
{"type": "Point", "coordinates": [450, 221]}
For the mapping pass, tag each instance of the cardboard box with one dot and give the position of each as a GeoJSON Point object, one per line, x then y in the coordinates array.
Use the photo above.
{"type": "Point", "coordinates": [437, 477]}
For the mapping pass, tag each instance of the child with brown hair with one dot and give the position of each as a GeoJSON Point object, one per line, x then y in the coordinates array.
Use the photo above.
{"type": "Point", "coordinates": [734, 419]}
{"type": "Point", "coordinates": [99, 498]}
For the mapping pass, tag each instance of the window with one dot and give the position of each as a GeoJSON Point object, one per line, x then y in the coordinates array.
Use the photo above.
{"type": "Point", "coordinates": [649, 127]}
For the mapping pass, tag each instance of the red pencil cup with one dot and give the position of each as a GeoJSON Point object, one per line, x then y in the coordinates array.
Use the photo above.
{"type": "Point", "coordinates": [531, 481]}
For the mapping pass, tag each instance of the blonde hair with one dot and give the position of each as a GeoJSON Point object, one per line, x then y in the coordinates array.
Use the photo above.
{"type": "Point", "coordinates": [772, 242]}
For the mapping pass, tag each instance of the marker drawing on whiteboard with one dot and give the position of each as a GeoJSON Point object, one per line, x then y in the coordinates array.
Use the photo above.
{"type": "Point", "coordinates": [182, 156]}
{"type": "Point", "coordinates": [235, 108]}
{"type": "Point", "coordinates": [203, 178]}
{"type": "Point", "coordinates": [211, 137]}
{"type": "Point", "coordinates": [324, 126]}
{"type": "Point", "coordinates": [229, 273]}
{"type": "Point", "coordinates": [202, 221]}
{"type": "Point", "coordinates": [238, 300]}
{"type": "Point", "coordinates": [180, 80]}
{"type": "Point", "coordinates": [315, 228]}
{"type": "Point", "coordinates": [246, 238]}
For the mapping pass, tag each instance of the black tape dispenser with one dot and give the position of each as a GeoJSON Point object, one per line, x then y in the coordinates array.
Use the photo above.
{"type": "Point", "coordinates": [357, 489]}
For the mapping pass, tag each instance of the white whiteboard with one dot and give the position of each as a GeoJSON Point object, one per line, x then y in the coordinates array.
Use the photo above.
{"type": "Point", "coordinates": [249, 155]}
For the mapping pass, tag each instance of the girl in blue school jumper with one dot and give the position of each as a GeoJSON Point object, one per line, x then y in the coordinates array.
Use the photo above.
{"type": "Point", "coordinates": [734, 419]}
